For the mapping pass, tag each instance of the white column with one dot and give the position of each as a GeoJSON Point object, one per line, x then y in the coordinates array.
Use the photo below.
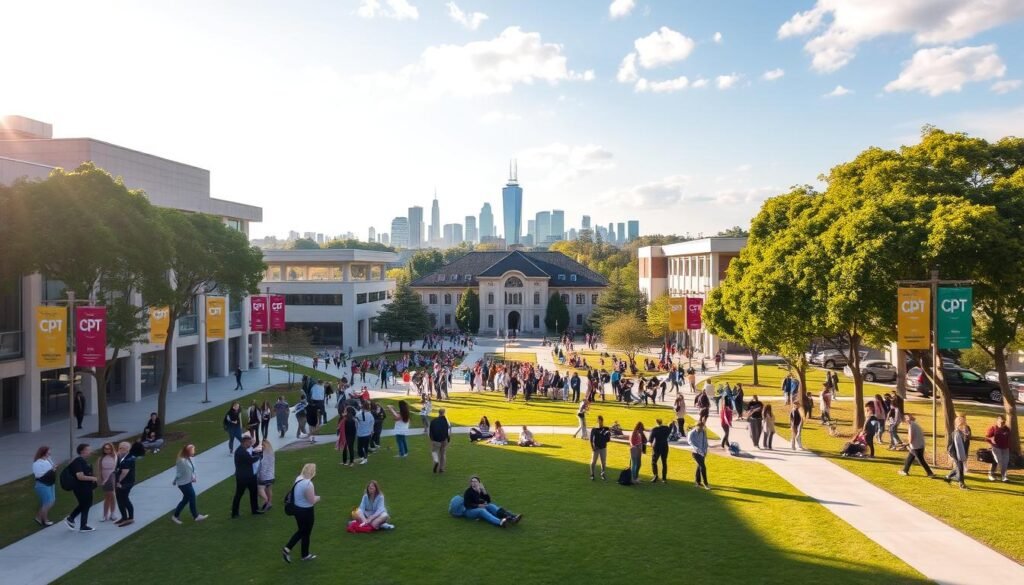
{"type": "Point", "coordinates": [29, 387]}
{"type": "Point", "coordinates": [199, 363]}
{"type": "Point", "coordinates": [171, 362]}
{"type": "Point", "coordinates": [133, 376]}
{"type": "Point", "coordinates": [257, 349]}
{"type": "Point", "coordinates": [88, 387]}
{"type": "Point", "coordinates": [243, 339]}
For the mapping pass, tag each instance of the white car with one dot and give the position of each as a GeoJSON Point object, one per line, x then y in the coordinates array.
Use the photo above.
{"type": "Point", "coordinates": [1016, 379]}
{"type": "Point", "coordinates": [875, 371]}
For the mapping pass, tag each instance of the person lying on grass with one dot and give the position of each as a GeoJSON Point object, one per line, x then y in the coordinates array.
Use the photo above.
{"type": "Point", "coordinates": [478, 505]}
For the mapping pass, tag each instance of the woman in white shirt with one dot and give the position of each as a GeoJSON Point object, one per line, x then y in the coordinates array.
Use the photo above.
{"type": "Point", "coordinates": [401, 427]}
{"type": "Point", "coordinates": [304, 497]}
{"type": "Point", "coordinates": [372, 510]}
{"type": "Point", "coordinates": [45, 473]}
{"type": "Point", "coordinates": [265, 475]}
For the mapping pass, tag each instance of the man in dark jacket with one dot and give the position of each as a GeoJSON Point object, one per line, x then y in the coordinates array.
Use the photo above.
{"type": "Point", "coordinates": [659, 441]}
{"type": "Point", "coordinates": [600, 435]}
{"type": "Point", "coordinates": [574, 383]}
{"type": "Point", "coordinates": [245, 476]}
{"type": "Point", "coordinates": [440, 435]}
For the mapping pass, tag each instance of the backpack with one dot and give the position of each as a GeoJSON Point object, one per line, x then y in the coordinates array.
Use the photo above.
{"type": "Point", "coordinates": [626, 477]}
{"type": "Point", "coordinates": [457, 507]}
{"type": "Point", "coordinates": [289, 500]}
{"type": "Point", "coordinates": [68, 481]}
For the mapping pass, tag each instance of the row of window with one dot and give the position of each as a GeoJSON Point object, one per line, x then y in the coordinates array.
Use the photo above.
{"type": "Point", "coordinates": [689, 266]}
{"type": "Point", "coordinates": [283, 273]}
{"type": "Point", "coordinates": [372, 297]}
{"type": "Point", "coordinates": [513, 281]}
{"type": "Point", "coordinates": [536, 320]}
{"type": "Point", "coordinates": [320, 300]}
{"type": "Point", "coordinates": [511, 298]}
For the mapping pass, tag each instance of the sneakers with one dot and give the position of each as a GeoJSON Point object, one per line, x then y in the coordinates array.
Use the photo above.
{"type": "Point", "coordinates": [387, 526]}
{"type": "Point", "coordinates": [309, 557]}
{"type": "Point", "coordinates": [517, 518]}
{"type": "Point", "coordinates": [202, 517]}
{"type": "Point", "coordinates": [603, 476]}
{"type": "Point", "coordinates": [655, 480]}
{"type": "Point", "coordinates": [86, 529]}
{"type": "Point", "coordinates": [903, 473]}
{"type": "Point", "coordinates": [70, 523]}
{"type": "Point", "coordinates": [707, 487]}
{"type": "Point", "coordinates": [363, 461]}
{"type": "Point", "coordinates": [991, 477]}
{"type": "Point", "coordinates": [1005, 480]}
{"type": "Point", "coordinates": [286, 555]}
{"type": "Point", "coordinates": [176, 520]}
{"type": "Point", "coordinates": [435, 467]}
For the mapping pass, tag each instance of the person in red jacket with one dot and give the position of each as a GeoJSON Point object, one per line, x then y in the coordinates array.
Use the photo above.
{"type": "Point", "coordinates": [725, 415]}
{"type": "Point", "coordinates": [998, 436]}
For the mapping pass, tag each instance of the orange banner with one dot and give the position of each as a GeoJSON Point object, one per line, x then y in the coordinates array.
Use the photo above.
{"type": "Point", "coordinates": [913, 322]}
{"type": "Point", "coordinates": [216, 317]}
{"type": "Point", "coordinates": [159, 324]}
{"type": "Point", "coordinates": [51, 337]}
{"type": "Point", "coordinates": [677, 314]}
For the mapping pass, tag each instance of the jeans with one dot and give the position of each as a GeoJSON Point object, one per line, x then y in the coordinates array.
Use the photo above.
{"type": "Point", "coordinates": [701, 474]}
{"type": "Point", "coordinates": [438, 450]}
{"type": "Point", "coordinates": [304, 519]}
{"type": "Point", "coordinates": [768, 436]}
{"type": "Point", "coordinates": [282, 424]}
{"type": "Point", "coordinates": [635, 453]}
{"type": "Point", "coordinates": [348, 452]}
{"type": "Point", "coordinates": [1002, 460]}
{"type": "Point", "coordinates": [364, 446]}
{"type": "Point", "coordinates": [124, 502]}
{"type": "Point", "coordinates": [403, 446]}
{"type": "Point", "coordinates": [490, 513]}
{"type": "Point", "coordinates": [597, 454]}
{"type": "Point", "coordinates": [755, 431]}
{"type": "Point", "coordinates": [957, 472]}
{"type": "Point", "coordinates": [795, 441]}
{"type": "Point", "coordinates": [240, 486]}
{"type": "Point", "coordinates": [919, 455]}
{"type": "Point", "coordinates": [894, 435]}
{"type": "Point", "coordinates": [661, 454]}
{"type": "Point", "coordinates": [188, 496]}
{"type": "Point", "coordinates": [582, 428]}
{"type": "Point", "coordinates": [84, 498]}
{"type": "Point", "coordinates": [234, 434]}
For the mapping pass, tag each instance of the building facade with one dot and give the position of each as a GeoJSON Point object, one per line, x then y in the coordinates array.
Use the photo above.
{"type": "Point", "coordinates": [472, 236]}
{"type": "Point", "coordinates": [512, 206]}
{"type": "Point", "coordinates": [400, 232]}
{"type": "Point", "coordinates": [415, 227]}
{"type": "Point", "coordinates": [335, 294]}
{"type": "Point", "coordinates": [31, 396]}
{"type": "Point", "coordinates": [688, 269]}
{"type": "Point", "coordinates": [514, 289]}
{"type": "Point", "coordinates": [486, 222]}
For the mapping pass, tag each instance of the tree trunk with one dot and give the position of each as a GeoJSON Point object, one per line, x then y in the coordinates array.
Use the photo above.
{"type": "Point", "coordinates": [1009, 404]}
{"type": "Point", "coordinates": [753, 359]}
{"type": "Point", "coordinates": [165, 377]}
{"type": "Point", "coordinates": [939, 385]}
{"type": "Point", "coordinates": [858, 383]}
{"type": "Point", "coordinates": [400, 346]}
{"type": "Point", "coordinates": [801, 374]}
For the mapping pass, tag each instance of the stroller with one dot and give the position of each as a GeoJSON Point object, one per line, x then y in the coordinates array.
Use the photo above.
{"type": "Point", "coordinates": [855, 448]}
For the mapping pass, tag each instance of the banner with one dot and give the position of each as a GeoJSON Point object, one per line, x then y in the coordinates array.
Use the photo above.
{"type": "Point", "coordinates": [912, 318]}
{"type": "Point", "coordinates": [258, 314]}
{"type": "Point", "coordinates": [51, 337]}
{"type": "Point", "coordinates": [694, 306]}
{"type": "Point", "coordinates": [277, 309]}
{"type": "Point", "coordinates": [676, 314]}
{"type": "Point", "coordinates": [91, 337]}
{"type": "Point", "coordinates": [159, 324]}
{"type": "Point", "coordinates": [954, 327]}
{"type": "Point", "coordinates": [216, 317]}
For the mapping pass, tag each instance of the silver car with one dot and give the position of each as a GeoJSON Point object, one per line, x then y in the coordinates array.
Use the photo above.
{"type": "Point", "coordinates": [875, 371]}
{"type": "Point", "coordinates": [1016, 379]}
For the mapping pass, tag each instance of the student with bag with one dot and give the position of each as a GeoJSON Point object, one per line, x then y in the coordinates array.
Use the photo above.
{"type": "Point", "coordinates": [78, 478]}
{"type": "Point", "coordinates": [299, 503]}
{"type": "Point", "coordinates": [45, 473]}
{"type": "Point", "coordinates": [184, 477]}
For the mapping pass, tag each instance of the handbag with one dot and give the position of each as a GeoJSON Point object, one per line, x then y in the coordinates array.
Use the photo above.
{"type": "Point", "coordinates": [49, 478]}
{"type": "Point", "coordinates": [289, 500]}
{"type": "Point", "coordinates": [985, 456]}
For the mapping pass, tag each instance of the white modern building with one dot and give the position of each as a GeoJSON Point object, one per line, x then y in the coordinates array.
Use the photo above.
{"type": "Point", "coordinates": [31, 396]}
{"type": "Point", "coordinates": [688, 269]}
{"type": "Point", "coordinates": [514, 289]}
{"type": "Point", "coordinates": [335, 294]}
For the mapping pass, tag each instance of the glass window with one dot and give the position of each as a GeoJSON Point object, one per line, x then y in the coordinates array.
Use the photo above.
{"type": "Point", "coordinates": [490, 298]}
{"type": "Point", "coordinates": [433, 298]}
{"type": "Point", "coordinates": [536, 321]}
{"type": "Point", "coordinates": [579, 318]}
{"type": "Point", "coordinates": [593, 299]}
{"type": "Point", "coordinates": [490, 321]}
{"type": "Point", "coordinates": [318, 273]}
{"type": "Point", "coordinates": [447, 298]}
{"type": "Point", "coordinates": [536, 298]}
{"type": "Point", "coordinates": [969, 376]}
{"type": "Point", "coordinates": [565, 298]}
{"type": "Point", "coordinates": [447, 318]}
{"type": "Point", "coordinates": [375, 272]}
{"type": "Point", "coordinates": [458, 298]}
{"type": "Point", "coordinates": [361, 298]}
{"type": "Point", "coordinates": [581, 299]}
{"type": "Point", "coordinates": [296, 272]}
{"type": "Point", "coordinates": [561, 277]}
{"type": "Point", "coordinates": [310, 299]}
{"type": "Point", "coordinates": [469, 277]}
{"type": "Point", "coordinates": [513, 282]}
{"type": "Point", "coordinates": [359, 272]}
{"type": "Point", "coordinates": [53, 290]}
{"type": "Point", "coordinates": [273, 273]}
{"type": "Point", "coordinates": [441, 277]}
{"type": "Point", "coordinates": [572, 277]}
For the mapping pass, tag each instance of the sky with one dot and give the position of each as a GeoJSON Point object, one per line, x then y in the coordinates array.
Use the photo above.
{"type": "Point", "coordinates": [335, 116]}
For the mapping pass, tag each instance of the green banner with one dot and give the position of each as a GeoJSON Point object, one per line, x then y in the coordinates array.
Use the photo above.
{"type": "Point", "coordinates": [954, 310]}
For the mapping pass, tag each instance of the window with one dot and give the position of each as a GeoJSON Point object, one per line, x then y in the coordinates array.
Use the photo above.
{"type": "Point", "coordinates": [318, 273]}
{"type": "Point", "coordinates": [458, 298]}
{"type": "Point", "coordinates": [561, 277]}
{"type": "Point", "coordinates": [513, 298]}
{"type": "Point", "coordinates": [433, 298]}
{"type": "Point", "coordinates": [321, 300]}
{"type": "Point", "coordinates": [296, 273]}
{"type": "Point", "coordinates": [513, 282]}
{"type": "Point", "coordinates": [447, 299]}
{"type": "Point", "coordinates": [469, 277]}
{"type": "Point", "coordinates": [579, 318]}
{"type": "Point", "coordinates": [375, 272]}
{"type": "Point", "coordinates": [273, 273]}
{"type": "Point", "coordinates": [565, 298]}
{"type": "Point", "coordinates": [572, 277]}
{"type": "Point", "coordinates": [490, 298]}
{"type": "Point", "coordinates": [536, 321]}
{"type": "Point", "coordinates": [593, 299]}
{"type": "Point", "coordinates": [441, 278]}
{"type": "Point", "coordinates": [490, 321]}
{"type": "Point", "coordinates": [447, 318]}
{"type": "Point", "coordinates": [358, 272]}
{"type": "Point", "coordinates": [536, 298]}
{"type": "Point", "coordinates": [581, 299]}
{"type": "Point", "coordinates": [361, 298]}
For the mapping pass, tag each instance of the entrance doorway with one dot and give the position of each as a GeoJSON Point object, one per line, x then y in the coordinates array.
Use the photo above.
{"type": "Point", "coordinates": [513, 322]}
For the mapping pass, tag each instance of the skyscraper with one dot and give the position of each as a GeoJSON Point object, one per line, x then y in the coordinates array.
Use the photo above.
{"type": "Point", "coordinates": [384, 239]}
{"type": "Point", "coordinates": [632, 230]}
{"type": "Point", "coordinates": [486, 222]}
{"type": "Point", "coordinates": [471, 234]}
{"type": "Point", "coordinates": [611, 232]}
{"type": "Point", "coordinates": [435, 221]}
{"type": "Point", "coordinates": [585, 224]}
{"type": "Point", "coordinates": [512, 207]}
{"type": "Point", "coordinates": [557, 225]}
{"type": "Point", "coordinates": [572, 234]}
{"type": "Point", "coordinates": [416, 227]}
{"type": "Point", "coordinates": [400, 232]}
{"type": "Point", "coordinates": [531, 227]}
{"type": "Point", "coordinates": [542, 228]}
{"type": "Point", "coordinates": [372, 236]}
{"type": "Point", "coordinates": [620, 235]}
{"type": "Point", "coordinates": [452, 234]}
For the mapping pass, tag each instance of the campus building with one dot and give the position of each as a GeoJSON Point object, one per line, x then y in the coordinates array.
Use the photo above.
{"type": "Point", "coordinates": [514, 288]}
{"type": "Point", "coordinates": [31, 396]}
{"type": "Point", "coordinates": [335, 294]}
{"type": "Point", "coordinates": [688, 269]}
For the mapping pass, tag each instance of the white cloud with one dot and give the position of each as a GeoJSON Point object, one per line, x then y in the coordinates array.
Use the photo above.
{"type": "Point", "coordinates": [839, 91]}
{"type": "Point", "coordinates": [627, 69]}
{"type": "Point", "coordinates": [726, 81]}
{"type": "Point", "coordinates": [662, 47]}
{"type": "Point", "coordinates": [563, 163]}
{"type": "Point", "coordinates": [396, 9]}
{"type": "Point", "coordinates": [699, 83]}
{"type": "Point", "coordinates": [621, 8]}
{"type": "Point", "coordinates": [773, 74]}
{"type": "Point", "coordinates": [482, 67]}
{"type": "Point", "coordinates": [1006, 86]}
{"type": "Point", "coordinates": [852, 22]}
{"type": "Point", "coordinates": [677, 190]}
{"type": "Point", "coordinates": [944, 69]}
{"type": "Point", "coordinates": [666, 86]}
{"type": "Point", "coordinates": [472, 21]}
{"type": "Point", "coordinates": [499, 117]}
{"type": "Point", "coordinates": [718, 37]}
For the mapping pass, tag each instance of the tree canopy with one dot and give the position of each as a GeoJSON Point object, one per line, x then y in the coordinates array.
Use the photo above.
{"type": "Point", "coordinates": [627, 333]}
{"type": "Point", "coordinates": [405, 318]}
{"type": "Point", "coordinates": [467, 313]}
{"type": "Point", "coordinates": [556, 318]}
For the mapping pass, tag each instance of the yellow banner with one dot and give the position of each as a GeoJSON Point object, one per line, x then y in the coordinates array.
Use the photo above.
{"type": "Point", "coordinates": [159, 324]}
{"type": "Point", "coordinates": [913, 323]}
{"type": "Point", "coordinates": [677, 314]}
{"type": "Point", "coordinates": [216, 317]}
{"type": "Point", "coordinates": [51, 337]}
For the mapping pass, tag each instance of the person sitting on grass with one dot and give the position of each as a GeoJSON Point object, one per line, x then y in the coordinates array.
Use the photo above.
{"type": "Point", "coordinates": [152, 435]}
{"type": "Point", "coordinates": [481, 431]}
{"type": "Point", "coordinates": [499, 437]}
{"type": "Point", "coordinates": [371, 511]}
{"type": "Point", "coordinates": [526, 438]}
{"type": "Point", "coordinates": [478, 505]}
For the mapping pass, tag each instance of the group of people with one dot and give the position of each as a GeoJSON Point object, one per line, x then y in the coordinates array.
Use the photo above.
{"type": "Point", "coordinates": [496, 436]}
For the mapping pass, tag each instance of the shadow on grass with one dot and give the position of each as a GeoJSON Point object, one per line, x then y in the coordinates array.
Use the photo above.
{"type": "Point", "coordinates": [572, 532]}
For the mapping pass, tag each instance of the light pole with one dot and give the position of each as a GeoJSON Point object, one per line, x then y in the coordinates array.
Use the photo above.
{"type": "Point", "coordinates": [206, 353]}
{"type": "Point", "coordinates": [70, 302]}
{"type": "Point", "coordinates": [269, 347]}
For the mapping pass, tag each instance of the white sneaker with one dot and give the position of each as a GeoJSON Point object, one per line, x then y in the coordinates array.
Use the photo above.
{"type": "Point", "coordinates": [176, 520]}
{"type": "Point", "coordinates": [991, 477]}
{"type": "Point", "coordinates": [387, 526]}
{"type": "Point", "coordinates": [202, 517]}
{"type": "Point", "coordinates": [362, 461]}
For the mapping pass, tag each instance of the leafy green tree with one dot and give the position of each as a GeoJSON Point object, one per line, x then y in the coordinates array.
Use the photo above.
{"type": "Point", "coordinates": [353, 244]}
{"type": "Point", "coordinates": [456, 252]}
{"type": "Point", "coordinates": [628, 334]}
{"type": "Point", "coordinates": [14, 231]}
{"type": "Point", "coordinates": [203, 256]}
{"type": "Point", "coordinates": [733, 232]}
{"type": "Point", "coordinates": [467, 313]}
{"type": "Point", "coordinates": [556, 318]}
{"type": "Point", "coordinates": [293, 341]}
{"type": "Point", "coordinates": [622, 297]}
{"type": "Point", "coordinates": [405, 319]}
{"type": "Point", "coordinates": [423, 262]}
{"type": "Point", "coordinates": [717, 319]}
{"type": "Point", "coordinates": [658, 317]}
{"type": "Point", "coordinates": [305, 244]}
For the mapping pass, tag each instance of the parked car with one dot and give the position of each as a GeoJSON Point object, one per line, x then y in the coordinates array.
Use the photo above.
{"type": "Point", "coordinates": [828, 358]}
{"type": "Point", "coordinates": [963, 383]}
{"type": "Point", "coordinates": [875, 371]}
{"type": "Point", "coordinates": [1016, 379]}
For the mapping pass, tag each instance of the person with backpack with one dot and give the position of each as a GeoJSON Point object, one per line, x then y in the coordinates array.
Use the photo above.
{"type": "Point", "coordinates": [698, 439]}
{"type": "Point", "coordinates": [659, 444]}
{"type": "Point", "coordinates": [600, 436]}
{"type": "Point", "coordinates": [957, 449]}
{"type": "Point", "coordinates": [184, 477]}
{"type": "Point", "coordinates": [233, 426]}
{"type": "Point", "coordinates": [300, 503]}
{"type": "Point", "coordinates": [78, 478]}
{"type": "Point", "coordinates": [637, 446]}
{"type": "Point", "coordinates": [45, 473]}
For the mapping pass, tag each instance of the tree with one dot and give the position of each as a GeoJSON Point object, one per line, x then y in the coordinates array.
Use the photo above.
{"type": "Point", "coordinates": [405, 319]}
{"type": "Point", "coordinates": [293, 341]}
{"type": "Point", "coordinates": [305, 244]}
{"type": "Point", "coordinates": [717, 319]}
{"type": "Point", "coordinates": [423, 262]}
{"type": "Point", "coordinates": [203, 256]}
{"type": "Point", "coordinates": [556, 318]}
{"type": "Point", "coordinates": [658, 317]}
{"type": "Point", "coordinates": [456, 252]}
{"type": "Point", "coordinates": [353, 244]}
{"type": "Point", "coordinates": [467, 313]}
{"type": "Point", "coordinates": [733, 232]}
{"type": "Point", "coordinates": [628, 334]}
{"type": "Point", "coordinates": [622, 297]}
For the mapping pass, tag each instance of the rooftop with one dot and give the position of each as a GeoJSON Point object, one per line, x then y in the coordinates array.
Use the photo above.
{"type": "Point", "coordinates": [466, 270]}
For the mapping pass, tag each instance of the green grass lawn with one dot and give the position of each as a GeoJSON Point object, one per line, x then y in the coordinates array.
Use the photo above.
{"type": "Point", "coordinates": [18, 501]}
{"type": "Point", "coordinates": [983, 512]}
{"type": "Point", "coordinates": [754, 527]}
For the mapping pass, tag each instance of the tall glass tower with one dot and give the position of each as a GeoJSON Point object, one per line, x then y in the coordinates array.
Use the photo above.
{"type": "Point", "coordinates": [512, 204]}
{"type": "Point", "coordinates": [486, 222]}
{"type": "Point", "coordinates": [435, 222]}
{"type": "Point", "coordinates": [415, 227]}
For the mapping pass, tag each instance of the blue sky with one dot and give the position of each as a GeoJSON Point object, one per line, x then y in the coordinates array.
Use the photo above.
{"type": "Point", "coordinates": [335, 116]}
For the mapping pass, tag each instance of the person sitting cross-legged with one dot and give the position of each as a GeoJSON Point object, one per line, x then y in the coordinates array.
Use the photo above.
{"type": "Point", "coordinates": [478, 505]}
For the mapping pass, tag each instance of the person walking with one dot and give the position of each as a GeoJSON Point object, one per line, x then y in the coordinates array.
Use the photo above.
{"type": "Point", "coordinates": [725, 418]}
{"type": "Point", "coordinates": [637, 447]}
{"type": "Point", "coordinates": [253, 424]}
{"type": "Point", "coordinates": [796, 422]}
{"type": "Point", "coordinates": [45, 474]}
{"type": "Point", "coordinates": [124, 481]}
{"type": "Point", "coordinates": [281, 411]}
{"type": "Point", "coordinates": [233, 426]}
{"type": "Point", "coordinates": [698, 439]}
{"type": "Point", "coordinates": [600, 436]}
{"type": "Point", "coordinates": [184, 478]}
{"type": "Point", "coordinates": [402, 418]}
{"type": "Point", "coordinates": [659, 450]}
{"type": "Point", "coordinates": [916, 448]}
{"type": "Point", "coordinates": [768, 423]}
{"type": "Point", "coordinates": [755, 418]}
{"type": "Point", "coordinates": [364, 432]}
{"type": "Point", "coordinates": [84, 483]}
{"type": "Point", "coordinates": [957, 449]}
{"type": "Point", "coordinates": [998, 437]}
{"type": "Point", "coordinates": [79, 407]}
{"type": "Point", "coordinates": [440, 436]}
{"type": "Point", "coordinates": [581, 419]}
{"type": "Point", "coordinates": [679, 408]}
{"type": "Point", "coordinates": [379, 416]}
{"type": "Point", "coordinates": [238, 378]}
{"type": "Point", "coordinates": [245, 476]}
{"type": "Point", "coordinates": [304, 499]}
{"type": "Point", "coordinates": [347, 437]}
{"type": "Point", "coordinates": [265, 475]}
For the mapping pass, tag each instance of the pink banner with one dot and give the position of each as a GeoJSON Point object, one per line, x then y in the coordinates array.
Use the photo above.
{"type": "Point", "coordinates": [258, 322]}
{"type": "Point", "coordinates": [277, 312]}
{"type": "Point", "coordinates": [91, 337]}
{"type": "Point", "coordinates": [694, 306]}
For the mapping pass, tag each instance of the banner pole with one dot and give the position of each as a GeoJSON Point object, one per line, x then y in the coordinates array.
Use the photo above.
{"type": "Point", "coordinates": [71, 374]}
{"type": "Point", "coordinates": [206, 355]}
{"type": "Point", "coordinates": [935, 365]}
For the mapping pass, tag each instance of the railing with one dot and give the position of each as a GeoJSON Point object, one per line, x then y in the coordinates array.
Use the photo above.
{"type": "Point", "coordinates": [10, 344]}
{"type": "Point", "coordinates": [234, 320]}
{"type": "Point", "coordinates": [188, 325]}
